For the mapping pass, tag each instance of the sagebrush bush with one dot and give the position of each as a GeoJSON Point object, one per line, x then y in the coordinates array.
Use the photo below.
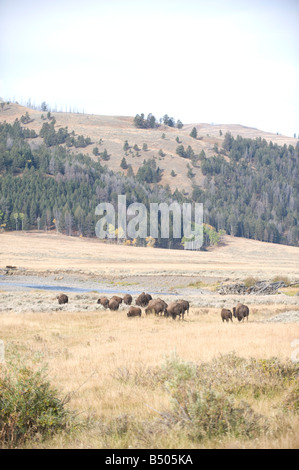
{"type": "Point", "coordinates": [250, 281]}
{"type": "Point", "coordinates": [290, 402]}
{"type": "Point", "coordinates": [284, 279]}
{"type": "Point", "coordinates": [208, 414]}
{"type": "Point", "coordinates": [201, 404]}
{"type": "Point", "coordinates": [29, 405]}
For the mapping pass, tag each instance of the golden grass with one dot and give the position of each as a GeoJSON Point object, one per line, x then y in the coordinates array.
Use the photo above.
{"type": "Point", "coordinates": [90, 353]}
{"type": "Point", "coordinates": [237, 259]}
{"type": "Point", "coordinates": [85, 350]}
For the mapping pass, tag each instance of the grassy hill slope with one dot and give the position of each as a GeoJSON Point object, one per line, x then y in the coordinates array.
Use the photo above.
{"type": "Point", "coordinates": [113, 131]}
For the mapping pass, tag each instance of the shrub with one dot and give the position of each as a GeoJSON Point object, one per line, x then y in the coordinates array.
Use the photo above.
{"type": "Point", "coordinates": [29, 405]}
{"type": "Point", "coordinates": [203, 407]}
{"type": "Point", "coordinates": [284, 279]}
{"type": "Point", "coordinates": [250, 281]}
{"type": "Point", "coordinates": [207, 414]}
{"type": "Point", "coordinates": [291, 400]}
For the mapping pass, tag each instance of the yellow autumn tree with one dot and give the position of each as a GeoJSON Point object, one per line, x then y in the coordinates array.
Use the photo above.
{"type": "Point", "coordinates": [150, 242]}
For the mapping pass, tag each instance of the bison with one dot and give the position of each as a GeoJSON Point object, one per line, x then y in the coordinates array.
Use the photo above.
{"type": "Point", "coordinates": [226, 315]}
{"type": "Point", "coordinates": [113, 304]}
{"type": "Point", "coordinates": [103, 301]}
{"type": "Point", "coordinates": [175, 309]}
{"type": "Point", "coordinates": [128, 299]}
{"type": "Point", "coordinates": [241, 312]}
{"type": "Point", "coordinates": [134, 312]}
{"type": "Point", "coordinates": [156, 306]}
{"type": "Point", "coordinates": [186, 305]}
{"type": "Point", "coordinates": [62, 299]}
{"type": "Point", "coordinates": [143, 299]}
{"type": "Point", "coordinates": [118, 299]}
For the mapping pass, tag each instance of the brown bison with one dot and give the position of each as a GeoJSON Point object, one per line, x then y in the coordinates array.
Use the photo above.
{"type": "Point", "coordinates": [118, 299]}
{"type": "Point", "coordinates": [226, 315]}
{"type": "Point", "coordinates": [113, 304]}
{"type": "Point", "coordinates": [143, 299]}
{"type": "Point", "coordinates": [62, 299]}
{"type": "Point", "coordinates": [103, 301]}
{"type": "Point", "coordinates": [175, 309]}
{"type": "Point", "coordinates": [156, 306]}
{"type": "Point", "coordinates": [241, 312]}
{"type": "Point", "coordinates": [134, 312]}
{"type": "Point", "coordinates": [128, 299]}
{"type": "Point", "coordinates": [185, 304]}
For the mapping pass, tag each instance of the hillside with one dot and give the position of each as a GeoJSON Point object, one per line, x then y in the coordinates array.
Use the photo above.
{"type": "Point", "coordinates": [55, 168]}
{"type": "Point", "coordinates": [115, 130]}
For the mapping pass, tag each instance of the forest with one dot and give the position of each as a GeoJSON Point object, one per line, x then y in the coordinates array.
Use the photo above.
{"type": "Point", "coordinates": [250, 186]}
{"type": "Point", "coordinates": [251, 190]}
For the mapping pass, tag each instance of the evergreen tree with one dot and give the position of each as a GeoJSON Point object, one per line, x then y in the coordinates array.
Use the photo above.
{"type": "Point", "coordinates": [124, 164]}
{"type": "Point", "coordinates": [193, 133]}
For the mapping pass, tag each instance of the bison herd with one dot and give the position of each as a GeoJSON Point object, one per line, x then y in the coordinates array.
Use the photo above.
{"type": "Point", "coordinates": [160, 307]}
{"type": "Point", "coordinates": [156, 306]}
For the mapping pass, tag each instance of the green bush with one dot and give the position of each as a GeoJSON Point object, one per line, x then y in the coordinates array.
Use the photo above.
{"type": "Point", "coordinates": [29, 405]}
{"type": "Point", "coordinates": [202, 406]}
{"type": "Point", "coordinates": [284, 279]}
{"type": "Point", "coordinates": [207, 414]}
{"type": "Point", "coordinates": [250, 281]}
{"type": "Point", "coordinates": [291, 400]}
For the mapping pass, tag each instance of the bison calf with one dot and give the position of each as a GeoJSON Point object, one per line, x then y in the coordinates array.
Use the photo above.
{"type": "Point", "coordinates": [226, 315]}
{"type": "Point", "coordinates": [134, 312]}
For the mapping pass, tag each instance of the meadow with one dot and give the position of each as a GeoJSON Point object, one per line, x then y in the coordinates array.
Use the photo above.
{"type": "Point", "coordinates": [152, 382]}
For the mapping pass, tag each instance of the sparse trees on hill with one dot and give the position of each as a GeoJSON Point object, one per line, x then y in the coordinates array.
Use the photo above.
{"type": "Point", "coordinates": [141, 123]}
{"type": "Point", "coordinates": [150, 122]}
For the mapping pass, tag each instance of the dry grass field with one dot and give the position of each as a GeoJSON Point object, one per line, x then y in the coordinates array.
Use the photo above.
{"type": "Point", "coordinates": [237, 259]}
{"type": "Point", "coordinates": [114, 368]}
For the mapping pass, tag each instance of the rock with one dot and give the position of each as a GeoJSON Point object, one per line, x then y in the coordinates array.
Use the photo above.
{"type": "Point", "coordinates": [291, 316]}
{"type": "Point", "coordinates": [260, 288]}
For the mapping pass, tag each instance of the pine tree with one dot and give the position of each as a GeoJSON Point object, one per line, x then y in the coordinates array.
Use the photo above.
{"type": "Point", "coordinates": [193, 133]}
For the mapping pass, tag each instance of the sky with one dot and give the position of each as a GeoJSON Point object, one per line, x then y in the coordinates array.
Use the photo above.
{"type": "Point", "coordinates": [200, 61]}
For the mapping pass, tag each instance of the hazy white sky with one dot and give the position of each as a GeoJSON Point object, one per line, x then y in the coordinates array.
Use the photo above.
{"type": "Point", "coordinates": [221, 61]}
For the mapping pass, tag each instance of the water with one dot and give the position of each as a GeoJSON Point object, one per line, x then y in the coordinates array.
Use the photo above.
{"type": "Point", "coordinates": [77, 289]}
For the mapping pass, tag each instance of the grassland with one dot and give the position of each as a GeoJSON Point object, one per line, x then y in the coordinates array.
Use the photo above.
{"type": "Point", "coordinates": [124, 375]}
